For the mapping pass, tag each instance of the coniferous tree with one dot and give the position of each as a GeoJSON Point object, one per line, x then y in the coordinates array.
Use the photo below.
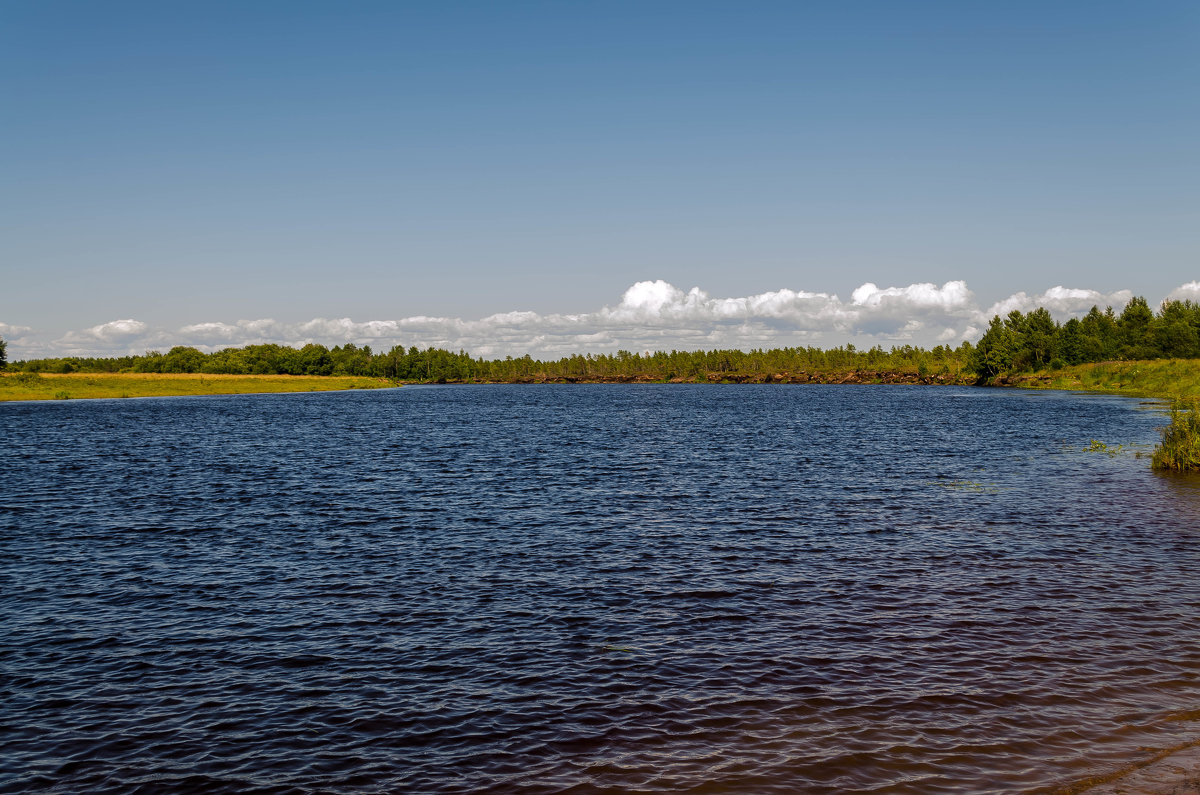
{"type": "Point", "coordinates": [1134, 329]}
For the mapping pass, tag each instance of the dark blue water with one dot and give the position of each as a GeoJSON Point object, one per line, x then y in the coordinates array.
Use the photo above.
{"type": "Point", "coordinates": [592, 588]}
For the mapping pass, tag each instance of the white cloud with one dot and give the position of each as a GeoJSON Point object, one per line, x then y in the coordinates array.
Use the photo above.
{"type": "Point", "coordinates": [949, 335]}
{"type": "Point", "coordinates": [912, 313]}
{"type": "Point", "coordinates": [1062, 302]}
{"type": "Point", "coordinates": [101, 340]}
{"type": "Point", "coordinates": [10, 332]}
{"type": "Point", "coordinates": [660, 304]}
{"type": "Point", "coordinates": [210, 331]}
{"type": "Point", "coordinates": [950, 297]}
{"type": "Point", "coordinates": [649, 315]}
{"type": "Point", "coordinates": [117, 330]}
{"type": "Point", "coordinates": [1185, 292]}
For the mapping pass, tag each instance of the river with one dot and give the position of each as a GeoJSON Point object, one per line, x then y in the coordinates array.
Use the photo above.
{"type": "Point", "coordinates": [593, 588]}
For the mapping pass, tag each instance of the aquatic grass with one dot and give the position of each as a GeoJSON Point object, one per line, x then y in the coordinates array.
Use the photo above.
{"type": "Point", "coordinates": [1177, 380]}
{"type": "Point", "coordinates": [1179, 450]}
{"type": "Point", "coordinates": [1171, 379]}
{"type": "Point", "coordinates": [1098, 446]}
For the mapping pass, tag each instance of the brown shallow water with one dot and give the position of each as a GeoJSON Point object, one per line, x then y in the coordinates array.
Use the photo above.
{"type": "Point", "coordinates": [592, 588]}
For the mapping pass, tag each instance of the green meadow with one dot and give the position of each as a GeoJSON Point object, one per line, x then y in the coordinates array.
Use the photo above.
{"type": "Point", "coordinates": [71, 386]}
{"type": "Point", "coordinates": [1173, 379]}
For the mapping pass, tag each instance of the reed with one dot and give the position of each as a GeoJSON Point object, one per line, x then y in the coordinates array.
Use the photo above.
{"type": "Point", "coordinates": [1179, 450]}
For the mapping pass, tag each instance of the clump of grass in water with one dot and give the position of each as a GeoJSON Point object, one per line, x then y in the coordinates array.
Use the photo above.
{"type": "Point", "coordinates": [1179, 450]}
{"type": "Point", "coordinates": [1098, 446]}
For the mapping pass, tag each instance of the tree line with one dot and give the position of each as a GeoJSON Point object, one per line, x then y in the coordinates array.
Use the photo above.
{"type": "Point", "coordinates": [1013, 344]}
{"type": "Point", "coordinates": [437, 364]}
{"type": "Point", "coordinates": [1020, 343]}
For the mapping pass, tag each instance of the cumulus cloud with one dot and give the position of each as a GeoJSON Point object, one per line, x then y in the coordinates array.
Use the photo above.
{"type": "Point", "coordinates": [252, 331]}
{"type": "Point", "coordinates": [1062, 302]}
{"type": "Point", "coordinates": [103, 338]}
{"type": "Point", "coordinates": [949, 297]}
{"type": "Point", "coordinates": [1185, 292]}
{"type": "Point", "coordinates": [658, 304]}
{"type": "Point", "coordinates": [210, 331]}
{"type": "Point", "coordinates": [116, 330]}
{"type": "Point", "coordinates": [649, 315]}
{"type": "Point", "coordinates": [912, 312]}
{"type": "Point", "coordinates": [11, 332]}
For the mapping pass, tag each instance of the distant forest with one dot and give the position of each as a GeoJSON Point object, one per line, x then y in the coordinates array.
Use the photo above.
{"type": "Point", "coordinates": [1013, 344]}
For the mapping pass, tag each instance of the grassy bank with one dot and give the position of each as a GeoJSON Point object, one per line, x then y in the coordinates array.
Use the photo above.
{"type": "Point", "coordinates": [1173, 379]}
{"type": "Point", "coordinates": [34, 386]}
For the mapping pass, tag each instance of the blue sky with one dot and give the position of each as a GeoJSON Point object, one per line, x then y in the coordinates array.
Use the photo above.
{"type": "Point", "coordinates": [212, 166]}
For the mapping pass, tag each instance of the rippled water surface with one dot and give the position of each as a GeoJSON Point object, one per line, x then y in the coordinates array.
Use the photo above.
{"type": "Point", "coordinates": [590, 588]}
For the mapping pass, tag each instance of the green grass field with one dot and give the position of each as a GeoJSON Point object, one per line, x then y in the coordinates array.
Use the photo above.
{"type": "Point", "coordinates": [1174, 379]}
{"type": "Point", "coordinates": [45, 386]}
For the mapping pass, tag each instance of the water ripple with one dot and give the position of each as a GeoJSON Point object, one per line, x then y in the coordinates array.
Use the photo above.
{"type": "Point", "coordinates": [591, 589]}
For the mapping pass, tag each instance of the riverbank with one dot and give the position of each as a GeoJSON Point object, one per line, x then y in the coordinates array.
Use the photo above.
{"type": "Point", "coordinates": [840, 376]}
{"type": "Point", "coordinates": [64, 386]}
{"type": "Point", "coordinates": [1172, 379]}
{"type": "Point", "coordinates": [1166, 378]}
{"type": "Point", "coordinates": [71, 386]}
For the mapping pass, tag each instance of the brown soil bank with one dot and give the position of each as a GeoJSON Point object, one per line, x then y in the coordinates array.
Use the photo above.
{"type": "Point", "coordinates": [799, 377]}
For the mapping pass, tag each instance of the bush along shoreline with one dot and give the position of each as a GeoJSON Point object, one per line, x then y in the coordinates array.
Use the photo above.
{"type": "Point", "coordinates": [1179, 450]}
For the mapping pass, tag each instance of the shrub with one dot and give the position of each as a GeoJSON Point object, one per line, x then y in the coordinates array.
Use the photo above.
{"type": "Point", "coordinates": [1179, 450]}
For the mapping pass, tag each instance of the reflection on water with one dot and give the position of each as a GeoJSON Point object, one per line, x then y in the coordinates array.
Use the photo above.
{"type": "Point", "coordinates": [815, 589]}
